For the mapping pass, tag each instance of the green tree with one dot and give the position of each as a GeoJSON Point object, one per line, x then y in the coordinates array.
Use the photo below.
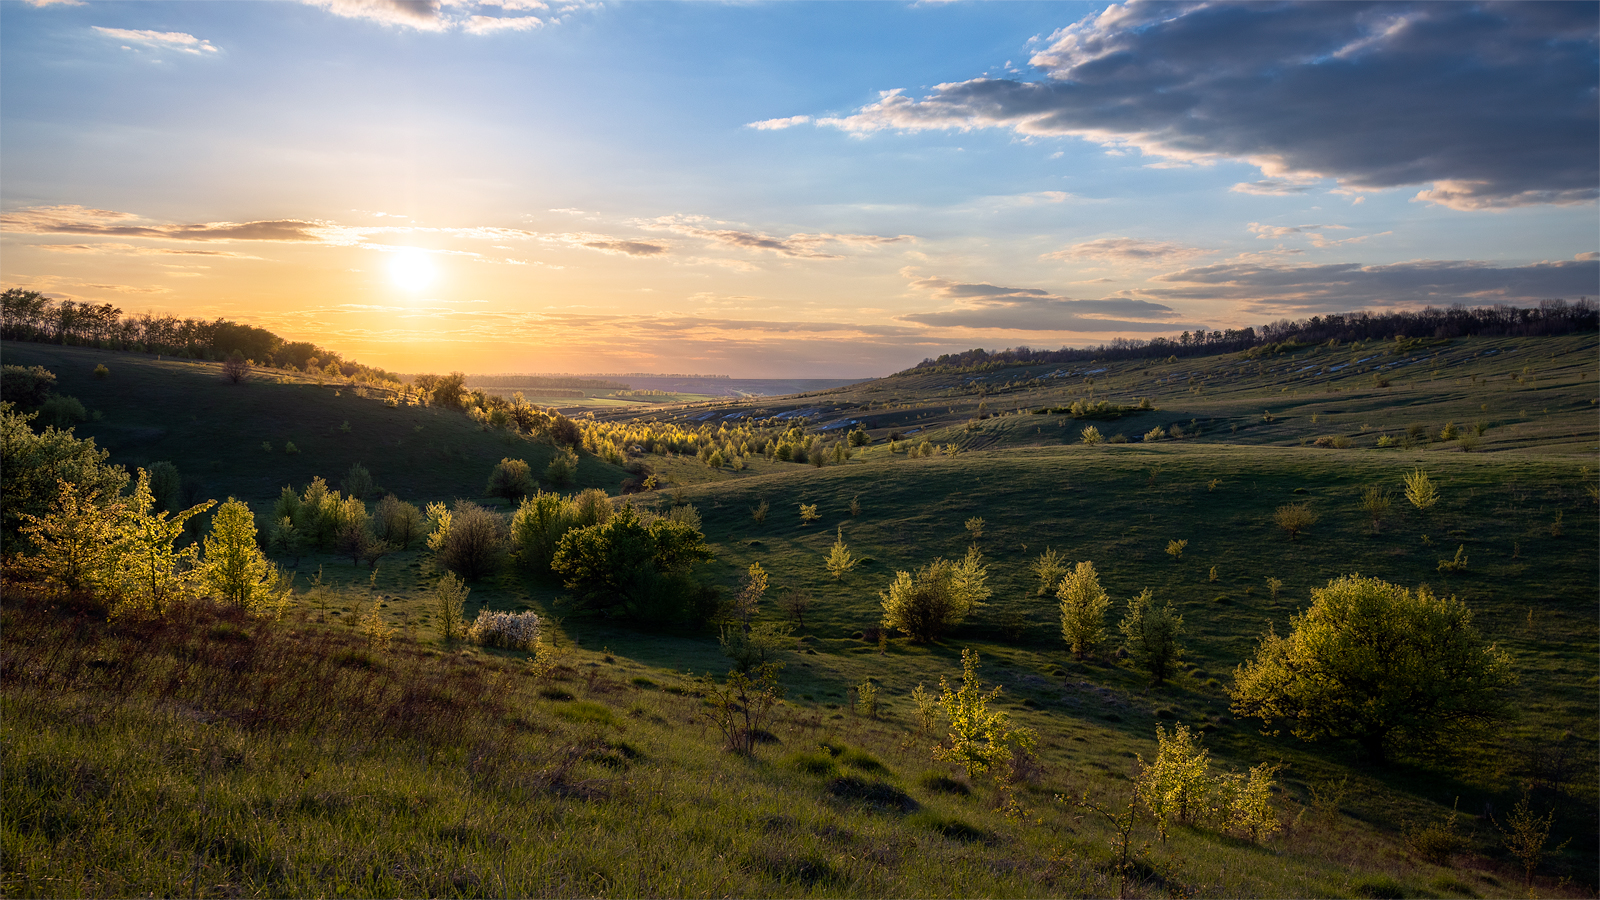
{"type": "Point", "coordinates": [1378, 664]}
{"type": "Point", "coordinates": [449, 603]}
{"type": "Point", "coordinates": [1294, 518]}
{"type": "Point", "coordinates": [33, 465]}
{"type": "Point", "coordinates": [75, 538]}
{"type": "Point", "coordinates": [511, 479]}
{"type": "Point", "coordinates": [840, 560]}
{"type": "Point", "coordinates": [397, 522]}
{"type": "Point", "coordinates": [357, 482]}
{"type": "Point", "coordinates": [937, 598]}
{"type": "Point", "coordinates": [981, 740]}
{"type": "Point", "coordinates": [563, 468]}
{"type": "Point", "coordinates": [474, 543]}
{"type": "Point", "coordinates": [627, 565]}
{"type": "Point", "coordinates": [149, 573]}
{"type": "Point", "coordinates": [1049, 568]}
{"type": "Point", "coordinates": [235, 570]}
{"type": "Point", "coordinates": [1150, 634]}
{"type": "Point", "coordinates": [1175, 786]}
{"type": "Point", "coordinates": [1083, 609]}
{"type": "Point", "coordinates": [1420, 490]}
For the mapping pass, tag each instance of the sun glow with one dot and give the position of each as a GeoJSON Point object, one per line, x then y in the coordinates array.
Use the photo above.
{"type": "Point", "coordinates": [411, 270]}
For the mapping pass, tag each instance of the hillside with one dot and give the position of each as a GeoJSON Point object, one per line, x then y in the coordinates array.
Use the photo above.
{"type": "Point", "coordinates": [450, 769]}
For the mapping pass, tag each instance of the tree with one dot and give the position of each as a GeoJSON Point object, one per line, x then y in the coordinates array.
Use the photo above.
{"type": "Point", "coordinates": [1083, 609]}
{"type": "Point", "coordinates": [473, 543]}
{"type": "Point", "coordinates": [1150, 634]}
{"type": "Point", "coordinates": [563, 468]}
{"type": "Point", "coordinates": [974, 528]}
{"type": "Point", "coordinates": [32, 467]}
{"type": "Point", "coordinates": [1375, 502]}
{"type": "Point", "coordinates": [1050, 568]}
{"type": "Point", "coordinates": [511, 479]}
{"type": "Point", "coordinates": [357, 482]}
{"type": "Point", "coordinates": [937, 598]}
{"type": "Point", "coordinates": [235, 368]}
{"type": "Point", "coordinates": [397, 522]}
{"type": "Point", "coordinates": [449, 602]}
{"type": "Point", "coordinates": [979, 740]}
{"type": "Point", "coordinates": [795, 602]}
{"type": "Point", "coordinates": [75, 537]}
{"type": "Point", "coordinates": [1420, 490]}
{"type": "Point", "coordinates": [1378, 664]}
{"type": "Point", "coordinates": [744, 640]}
{"type": "Point", "coordinates": [235, 570]}
{"type": "Point", "coordinates": [840, 560]}
{"type": "Point", "coordinates": [1176, 784]}
{"type": "Point", "coordinates": [626, 565]}
{"type": "Point", "coordinates": [1090, 435]}
{"type": "Point", "coordinates": [149, 573]}
{"type": "Point", "coordinates": [1294, 518]}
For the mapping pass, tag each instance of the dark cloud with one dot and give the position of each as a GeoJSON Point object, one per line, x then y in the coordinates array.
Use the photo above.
{"type": "Point", "coordinates": [1493, 104]}
{"type": "Point", "coordinates": [982, 305]}
{"type": "Point", "coordinates": [1352, 285]}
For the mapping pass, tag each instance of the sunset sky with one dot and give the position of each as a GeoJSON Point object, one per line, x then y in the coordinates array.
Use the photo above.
{"type": "Point", "coordinates": [790, 189]}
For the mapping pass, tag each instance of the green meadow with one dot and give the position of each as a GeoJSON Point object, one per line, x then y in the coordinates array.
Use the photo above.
{"type": "Point", "coordinates": [214, 754]}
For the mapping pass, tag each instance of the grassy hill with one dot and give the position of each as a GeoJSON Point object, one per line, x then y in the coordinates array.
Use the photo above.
{"type": "Point", "coordinates": [234, 438]}
{"type": "Point", "coordinates": [291, 759]}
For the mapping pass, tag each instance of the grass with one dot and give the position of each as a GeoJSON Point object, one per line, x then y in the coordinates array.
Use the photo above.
{"type": "Point", "coordinates": [214, 755]}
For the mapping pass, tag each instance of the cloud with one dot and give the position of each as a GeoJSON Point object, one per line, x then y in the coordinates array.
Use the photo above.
{"type": "Point", "coordinates": [627, 248]}
{"type": "Point", "coordinates": [990, 306]}
{"type": "Point", "coordinates": [1272, 187]}
{"type": "Point", "coordinates": [1314, 233]}
{"type": "Point", "coordinates": [424, 15]}
{"type": "Point", "coordinates": [778, 124]}
{"type": "Point", "coordinates": [1491, 104]}
{"type": "Point", "coordinates": [131, 250]}
{"type": "Point", "coordinates": [1127, 250]}
{"type": "Point", "coordinates": [1351, 285]}
{"type": "Point", "coordinates": [490, 24]}
{"type": "Point", "coordinates": [163, 40]}
{"type": "Point", "coordinates": [109, 223]}
{"type": "Point", "coordinates": [799, 246]}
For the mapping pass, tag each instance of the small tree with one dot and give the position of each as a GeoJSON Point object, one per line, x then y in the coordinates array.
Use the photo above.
{"type": "Point", "coordinates": [1527, 835]}
{"type": "Point", "coordinates": [937, 598]}
{"type": "Point", "coordinates": [76, 539]}
{"type": "Point", "coordinates": [808, 513]}
{"type": "Point", "coordinates": [975, 529]}
{"type": "Point", "coordinates": [511, 479]}
{"type": "Point", "coordinates": [980, 740]}
{"type": "Point", "coordinates": [1420, 490]}
{"type": "Point", "coordinates": [563, 468]}
{"type": "Point", "coordinates": [840, 560]}
{"type": "Point", "coordinates": [1090, 435]}
{"type": "Point", "coordinates": [1176, 784]}
{"type": "Point", "coordinates": [475, 542]}
{"type": "Point", "coordinates": [148, 572]}
{"type": "Point", "coordinates": [759, 511]}
{"type": "Point", "coordinates": [1294, 518]}
{"type": "Point", "coordinates": [1379, 664]}
{"type": "Point", "coordinates": [1175, 548]}
{"type": "Point", "coordinates": [357, 482]}
{"type": "Point", "coordinates": [449, 604]}
{"type": "Point", "coordinates": [235, 570]}
{"type": "Point", "coordinates": [743, 707]}
{"type": "Point", "coordinates": [235, 368]}
{"type": "Point", "coordinates": [1049, 568]}
{"type": "Point", "coordinates": [1150, 634]}
{"type": "Point", "coordinates": [397, 522]}
{"type": "Point", "coordinates": [1375, 502]}
{"type": "Point", "coordinates": [1083, 609]}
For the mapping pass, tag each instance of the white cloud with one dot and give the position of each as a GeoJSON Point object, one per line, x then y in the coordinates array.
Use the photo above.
{"type": "Point", "coordinates": [163, 40]}
{"type": "Point", "coordinates": [778, 124]}
{"type": "Point", "coordinates": [1128, 250]}
{"type": "Point", "coordinates": [491, 24]}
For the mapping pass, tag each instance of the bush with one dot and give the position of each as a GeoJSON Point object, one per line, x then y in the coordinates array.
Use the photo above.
{"type": "Point", "coordinates": [1294, 518]}
{"type": "Point", "coordinates": [235, 368]}
{"type": "Point", "coordinates": [62, 411]}
{"type": "Point", "coordinates": [627, 565]}
{"type": "Point", "coordinates": [166, 486]}
{"type": "Point", "coordinates": [1049, 568]}
{"type": "Point", "coordinates": [101, 372]}
{"type": "Point", "coordinates": [449, 601]}
{"type": "Point", "coordinates": [1090, 435]}
{"type": "Point", "coordinates": [1150, 634]}
{"type": "Point", "coordinates": [937, 598]}
{"type": "Point", "coordinates": [1378, 664]}
{"type": "Point", "coordinates": [474, 544]}
{"type": "Point", "coordinates": [357, 482]}
{"type": "Point", "coordinates": [511, 479]}
{"type": "Point", "coordinates": [397, 522]}
{"type": "Point", "coordinates": [510, 631]}
{"type": "Point", "coordinates": [1083, 609]}
{"type": "Point", "coordinates": [26, 386]}
{"type": "Point", "coordinates": [563, 468]}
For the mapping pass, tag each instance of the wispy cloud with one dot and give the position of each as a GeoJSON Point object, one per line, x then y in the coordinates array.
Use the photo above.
{"type": "Point", "coordinates": [164, 40]}
{"type": "Point", "coordinates": [1374, 95]}
{"type": "Point", "coordinates": [1128, 250]}
{"type": "Point", "coordinates": [987, 306]}
{"type": "Point", "coordinates": [469, 16]}
{"type": "Point", "coordinates": [492, 24]}
{"type": "Point", "coordinates": [109, 223]}
{"type": "Point", "coordinates": [1273, 187]}
{"type": "Point", "coordinates": [778, 124]}
{"type": "Point", "coordinates": [800, 246]}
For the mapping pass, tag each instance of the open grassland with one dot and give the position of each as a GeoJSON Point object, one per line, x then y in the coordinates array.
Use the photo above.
{"type": "Point", "coordinates": [210, 755]}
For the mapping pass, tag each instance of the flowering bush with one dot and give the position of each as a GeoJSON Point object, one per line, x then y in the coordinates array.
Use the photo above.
{"type": "Point", "coordinates": [513, 631]}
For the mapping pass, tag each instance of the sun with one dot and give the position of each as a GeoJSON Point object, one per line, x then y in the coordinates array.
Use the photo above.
{"type": "Point", "coordinates": [411, 270]}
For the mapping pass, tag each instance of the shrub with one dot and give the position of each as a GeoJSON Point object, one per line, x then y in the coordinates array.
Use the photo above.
{"type": "Point", "coordinates": [1175, 548]}
{"type": "Point", "coordinates": [473, 543]}
{"type": "Point", "coordinates": [234, 569]}
{"type": "Point", "coordinates": [1175, 786]}
{"type": "Point", "coordinates": [1294, 518]}
{"type": "Point", "coordinates": [1049, 568]}
{"type": "Point", "coordinates": [795, 603]}
{"type": "Point", "coordinates": [840, 560]}
{"type": "Point", "coordinates": [1083, 609]}
{"type": "Point", "coordinates": [26, 386]}
{"type": "Point", "coordinates": [979, 740]}
{"type": "Point", "coordinates": [166, 486]}
{"type": "Point", "coordinates": [510, 631]}
{"type": "Point", "coordinates": [867, 700]}
{"type": "Point", "coordinates": [511, 479]}
{"type": "Point", "coordinates": [1375, 502]}
{"type": "Point", "coordinates": [62, 411]}
{"type": "Point", "coordinates": [937, 598]}
{"type": "Point", "coordinates": [357, 482]}
{"type": "Point", "coordinates": [290, 449]}
{"type": "Point", "coordinates": [1376, 663]}
{"type": "Point", "coordinates": [628, 565]}
{"type": "Point", "coordinates": [1150, 635]}
{"type": "Point", "coordinates": [742, 708]}
{"type": "Point", "coordinates": [1154, 434]}
{"type": "Point", "coordinates": [449, 602]}
{"type": "Point", "coordinates": [397, 522]}
{"type": "Point", "coordinates": [101, 372]}
{"type": "Point", "coordinates": [1420, 490]}
{"type": "Point", "coordinates": [235, 368]}
{"type": "Point", "coordinates": [563, 468]}
{"type": "Point", "coordinates": [808, 513]}
{"type": "Point", "coordinates": [759, 511]}
{"type": "Point", "coordinates": [1459, 564]}
{"type": "Point", "coordinates": [1090, 435]}
{"type": "Point", "coordinates": [974, 527]}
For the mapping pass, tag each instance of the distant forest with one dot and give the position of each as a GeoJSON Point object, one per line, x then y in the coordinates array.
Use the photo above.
{"type": "Point", "coordinates": [31, 316]}
{"type": "Point", "coordinates": [1549, 318]}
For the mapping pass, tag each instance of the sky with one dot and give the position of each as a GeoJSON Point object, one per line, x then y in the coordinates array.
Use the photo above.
{"type": "Point", "coordinates": [790, 189]}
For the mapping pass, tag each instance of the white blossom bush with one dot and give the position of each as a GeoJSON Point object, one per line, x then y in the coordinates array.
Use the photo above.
{"type": "Point", "coordinates": [512, 631]}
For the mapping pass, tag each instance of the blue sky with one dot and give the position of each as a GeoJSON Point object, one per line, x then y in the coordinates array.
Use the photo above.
{"type": "Point", "coordinates": [786, 189]}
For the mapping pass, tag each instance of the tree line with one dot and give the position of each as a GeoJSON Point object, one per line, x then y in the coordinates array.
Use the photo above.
{"type": "Point", "coordinates": [1550, 317]}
